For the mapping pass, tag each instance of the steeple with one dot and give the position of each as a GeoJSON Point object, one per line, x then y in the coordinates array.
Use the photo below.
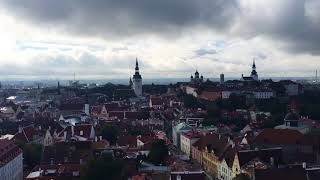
{"type": "Point", "coordinates": [254, 73]}
{"type": "Point", "coordinates": [254, 65]}
{"type": "Point", "coordinates": [137, 66]}
{"type": "Point", "coordinates": [130, 83]}
{"type": "Point", "coordinates": [137, 74]}
{"type": "Point", "coordinates": [137, 81]}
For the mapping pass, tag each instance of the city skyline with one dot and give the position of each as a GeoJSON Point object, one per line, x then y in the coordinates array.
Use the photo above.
{"type": "Point", "coordinates": [53, 40]}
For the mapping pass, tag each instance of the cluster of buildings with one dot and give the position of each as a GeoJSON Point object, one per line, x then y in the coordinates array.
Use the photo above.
{"type": "Point", "coordinates": [68, 124]}
{"type": "Point", "coordinates": [248, 86]}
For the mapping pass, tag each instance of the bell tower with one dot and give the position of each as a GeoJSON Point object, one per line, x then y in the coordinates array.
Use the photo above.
{"type": "Point", "coordinates": [137, 81]}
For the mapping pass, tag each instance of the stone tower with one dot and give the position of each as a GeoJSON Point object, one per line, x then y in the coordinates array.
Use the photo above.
{"type": "Point", "coordinates": [137, 81]}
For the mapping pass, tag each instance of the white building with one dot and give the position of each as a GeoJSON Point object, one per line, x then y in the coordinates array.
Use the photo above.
{"type": "Point", "coordinates": [187, 140]}
{"type": "Point", "coordinates": [177, 130]}
{"type": "Point", "coordinates": [48, 139]}
{"type": "Point", "coordinates": [225, 172]}
{"type": "Point", "coordinates": [192, 90]}
{"type": "Point", "coordinates": [137, 81]}
{"type": "Point", "coordinates": [11, 166]}
{"type": "Point", "coordinates": [263, 94]}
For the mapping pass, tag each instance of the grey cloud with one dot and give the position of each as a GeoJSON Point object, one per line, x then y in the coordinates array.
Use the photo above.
{"type": "Point", "coordinates": [203, 52]}
{"type": "Point", "coordinates": [85, 65]}
{"type": "Point", "coordinates": [114, 18]}
{"type": "Point", "coordinates": [295, 24]}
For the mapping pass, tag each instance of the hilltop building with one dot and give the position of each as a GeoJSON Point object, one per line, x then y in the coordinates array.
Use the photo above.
{"type": "Point", "coordinates": [253, 76]}
{"type": "Point", "coordinates": [196, 79]}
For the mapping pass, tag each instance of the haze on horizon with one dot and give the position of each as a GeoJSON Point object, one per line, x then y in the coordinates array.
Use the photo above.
{"type": "Point", "coordinates": [100, 39]}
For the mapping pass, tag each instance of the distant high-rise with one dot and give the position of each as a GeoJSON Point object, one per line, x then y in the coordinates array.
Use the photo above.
{"type": "Point", "coordinates": [137, 81]}
{"type": "Point", "coordinates": [221, 78]}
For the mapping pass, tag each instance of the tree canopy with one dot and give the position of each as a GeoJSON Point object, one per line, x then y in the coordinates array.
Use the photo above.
{"type": "Point", "coordinates": [103, 168]}
{"type": "Point", "coordinates": [158, 153]}
{"type": "Point", "coordinates": [109, 133]}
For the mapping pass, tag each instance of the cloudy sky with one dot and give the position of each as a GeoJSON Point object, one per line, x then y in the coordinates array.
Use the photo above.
{"type": "Point", "coordinates": [100, 39]}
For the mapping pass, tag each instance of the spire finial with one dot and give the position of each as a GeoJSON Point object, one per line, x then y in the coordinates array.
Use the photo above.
{"type": "Point", "coordinates": [254, 63]}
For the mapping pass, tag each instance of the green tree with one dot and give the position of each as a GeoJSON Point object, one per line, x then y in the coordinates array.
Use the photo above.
{"type": "Point", "coordinates": [190, 101]}
{"type": "Point", "coordinates": [242, 177]}
{"type": "Point", "coordinates": [109, 133]}
{"type": "Point", "coordinates": [158, 153]}
{"type": "Point", "coordinates": [32, 154]}
{"type": "Point", "coordinates": [103, 168]}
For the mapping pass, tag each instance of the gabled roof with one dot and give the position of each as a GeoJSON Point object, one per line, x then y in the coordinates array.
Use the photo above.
{"type": "Point", "coordinates": [8, 151]}
{"type": "Point", "coordinates": [85, 128]}
{"type": "Point", "coordinates": [27, 134]}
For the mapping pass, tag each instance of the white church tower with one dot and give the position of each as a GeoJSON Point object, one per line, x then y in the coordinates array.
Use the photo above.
{"type": "Point", "coordinates": [254, 73]}
{"type": "Point", "coordinates": [137, 81]}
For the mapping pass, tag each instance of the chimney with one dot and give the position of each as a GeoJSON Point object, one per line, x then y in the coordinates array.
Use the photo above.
{"type": "Point", "coordinates": [304, 165]}
{"type": "Point", "coordinates": [100, 137]}
{"type": "Point", "coordinates": [20, 129]}
{"type": "Point", "coordinates": [65, 135]}
{"type": "Point", "coordinates": [96, 139]}
{"type": "Point", "coordinates": [87, 109]}
{"type": "Point", "coordinates": [72, 131]}
{"type": "Point", "coordinates": [272, 161]}
{"type": "Point", "coordinates": [219, 136]}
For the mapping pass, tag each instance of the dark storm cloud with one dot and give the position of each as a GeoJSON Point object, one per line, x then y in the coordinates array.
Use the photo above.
{"type": "Point", "coordinates": [168, 18]}
{"type": "Point", "coordinates": [120, 18]}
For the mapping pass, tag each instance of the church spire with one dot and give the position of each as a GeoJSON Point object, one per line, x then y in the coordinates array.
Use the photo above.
{"type": "Point", "coordinates": [254, 64]}
{"type": "Point", "coordinates": [137, 63]}
{"type": "Point", "coordinates": [137, 66]}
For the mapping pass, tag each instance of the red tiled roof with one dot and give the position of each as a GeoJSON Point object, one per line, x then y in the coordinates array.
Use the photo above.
{"type": "Point", "coordinates": [294, 173]}
{"type": "Point", "coordinates": [157, 101]}
{"type": "Point", "coordinates": [210, 95]}
{"type": "Point", "coordinates": [8, 151]}
{"type": "Point", "coordinates": [192, 134]}
{"type": "Point", "coordinates": [131, 141]}
{"type": "Point", "coordinates": [26, 134]}
{"type": "Point", "coordinates": [85, 128]}
{"type": "Point", "coordinates": [282, 136]}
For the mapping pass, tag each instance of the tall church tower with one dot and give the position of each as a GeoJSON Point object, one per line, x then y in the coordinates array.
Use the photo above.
{"type": "Point", "coordinates": [254, 73]}
{"type": "Point", "coordinates": [137, 81]}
